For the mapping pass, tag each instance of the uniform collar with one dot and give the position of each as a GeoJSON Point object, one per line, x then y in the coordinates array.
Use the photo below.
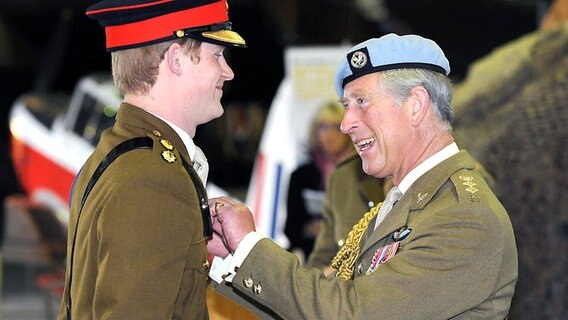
{"type": "Point", "coordinates": [184, 136]}
{"type": "Point", "coordinates": [417, 196]}
{"type": "Point", "coordinates": [428, 164]}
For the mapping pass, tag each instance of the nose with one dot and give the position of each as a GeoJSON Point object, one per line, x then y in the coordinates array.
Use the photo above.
{"type": "Point", "coordinates": [227, 72]}
{"type": "Point", "coordinates": [349, 122]}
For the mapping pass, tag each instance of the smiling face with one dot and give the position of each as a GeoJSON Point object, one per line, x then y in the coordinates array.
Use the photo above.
{"type": "Point", "coordinates": [378, 127]}
{"type": "Point", "coordinates": [205, 78]}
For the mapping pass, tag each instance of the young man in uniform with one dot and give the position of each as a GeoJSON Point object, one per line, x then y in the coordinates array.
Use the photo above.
{"type": "Point", "coordinates": [137, 231]}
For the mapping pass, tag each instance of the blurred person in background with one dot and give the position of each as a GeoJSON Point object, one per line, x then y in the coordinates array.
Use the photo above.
{"type": "Point", "coordinates": [327, 147]}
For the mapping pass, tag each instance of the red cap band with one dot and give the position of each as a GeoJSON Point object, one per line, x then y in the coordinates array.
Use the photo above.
{"type": "Point", "coordinates": [164, 26]}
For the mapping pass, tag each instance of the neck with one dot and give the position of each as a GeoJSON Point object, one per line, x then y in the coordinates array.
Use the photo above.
{"type": "Point", "coordinates": [424, 149]}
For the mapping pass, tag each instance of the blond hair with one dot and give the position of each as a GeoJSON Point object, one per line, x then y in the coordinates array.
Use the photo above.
{"type": "Point", "coordinates": [331, 111]}
{"type": "Point", "coordinates": [135, 70]}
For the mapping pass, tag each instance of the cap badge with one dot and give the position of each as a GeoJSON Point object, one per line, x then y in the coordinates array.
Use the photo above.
{"type": "Point", "coordinates": [359, 59]}
{"type": "Point", "coordinates": [169, 156]}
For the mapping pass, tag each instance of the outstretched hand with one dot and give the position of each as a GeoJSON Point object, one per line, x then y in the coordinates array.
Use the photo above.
{"type": "Point", "coordinates": [232, 221]}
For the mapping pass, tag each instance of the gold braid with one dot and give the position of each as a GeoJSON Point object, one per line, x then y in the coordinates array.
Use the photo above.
{"type": "Point", "coordinates": [344, 260]}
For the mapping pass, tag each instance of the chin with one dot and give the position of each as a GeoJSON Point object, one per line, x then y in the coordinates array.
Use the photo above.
{"type": "Point", "coordinates": [372, 171]}
{"type": "Point", "coordinates": [366, 169]}
{"type": "Point", "coordinates": [218, 114]}
{"type": "Point", "coordinates": [216, 111]}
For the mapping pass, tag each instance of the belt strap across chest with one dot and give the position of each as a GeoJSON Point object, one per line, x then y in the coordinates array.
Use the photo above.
{"type": "Point", "coordinates": [120, 149]}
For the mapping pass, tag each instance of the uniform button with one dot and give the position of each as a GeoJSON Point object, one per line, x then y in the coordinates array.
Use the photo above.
{"type": "Point", "coordinates": [371, 204]}
{"type": "Point", "coordinates": [257, 289]}
{"type": "Point", "coordinates": [205, 264]}
{"type": "Point", "coordinates": [360, 269]}
{"type": "Point", "coordinates": [340, 242]}
{"type": "Point", "coordinates": [247, 282]}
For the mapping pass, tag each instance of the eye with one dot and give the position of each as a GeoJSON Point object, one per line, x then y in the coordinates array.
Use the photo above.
{"type": "Point", "coordinates": [360, 101]}
{"type": "Point", "coordinates": [218, 53]}
{"type": "Point", "coordinates": [344, 102]}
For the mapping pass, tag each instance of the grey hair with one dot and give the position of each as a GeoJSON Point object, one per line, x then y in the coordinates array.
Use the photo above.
{"type": "Point", "coordinates": [399, 82]}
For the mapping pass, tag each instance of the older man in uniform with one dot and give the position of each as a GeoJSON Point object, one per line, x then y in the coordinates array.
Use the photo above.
{"type": "Point", "coordinates": [441, 246]}
{"type": "Point", "coordinates": [139, 216]}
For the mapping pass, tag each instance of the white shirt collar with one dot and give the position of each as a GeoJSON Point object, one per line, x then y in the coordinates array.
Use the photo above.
{"type": "Point", "coordinates": [428, 164]}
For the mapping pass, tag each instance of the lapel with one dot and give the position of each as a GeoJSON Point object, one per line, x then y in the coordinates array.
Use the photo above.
{"type": "Point", "coordinates": [415, 198]}
{"type": "Point", "coordinates": [395, 219]}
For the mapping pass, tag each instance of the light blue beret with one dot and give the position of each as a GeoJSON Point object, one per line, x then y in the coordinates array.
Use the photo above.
{"type": "Point", "coordinates": [389, 52]}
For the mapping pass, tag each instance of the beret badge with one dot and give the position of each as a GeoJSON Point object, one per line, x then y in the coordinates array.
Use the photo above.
{"type": "Point", "coordinates": [359, 59]}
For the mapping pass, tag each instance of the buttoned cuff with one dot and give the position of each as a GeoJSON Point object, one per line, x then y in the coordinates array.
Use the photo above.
{"type": "Point", "coordinates": [225, 269]}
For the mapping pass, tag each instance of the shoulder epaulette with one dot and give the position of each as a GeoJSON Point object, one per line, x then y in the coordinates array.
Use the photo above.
{"type": "Point", "coordinates": [167, 151]}
{"type": "Point", "coordinates": [467, 183]}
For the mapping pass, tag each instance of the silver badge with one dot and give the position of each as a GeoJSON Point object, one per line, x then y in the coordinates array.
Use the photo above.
{"type": "Point", "coordinates": [359, 59]}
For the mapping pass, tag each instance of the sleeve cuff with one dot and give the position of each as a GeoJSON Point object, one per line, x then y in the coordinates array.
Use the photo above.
{"type": "Point", "coordinates": [225, 269]}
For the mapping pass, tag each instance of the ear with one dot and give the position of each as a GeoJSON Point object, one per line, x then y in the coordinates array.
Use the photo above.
{"type": "Point", "coordinates": [172, 57]}
{"type": "Point", "coordinates": [419, 101]}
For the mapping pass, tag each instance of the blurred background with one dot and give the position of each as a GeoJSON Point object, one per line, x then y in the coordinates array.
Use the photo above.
{"type": "Point", "coordinates": [511, 110]}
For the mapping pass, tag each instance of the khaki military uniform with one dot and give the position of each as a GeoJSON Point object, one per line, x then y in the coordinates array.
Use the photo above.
{"type": "Point", "coordinates": [140, 250]}
{"type": "Point", "coordinates": [459, 260]}
{"type": "Point", "coordinates": [349, 195]}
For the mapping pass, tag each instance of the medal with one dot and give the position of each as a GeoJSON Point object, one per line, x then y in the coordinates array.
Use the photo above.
{"type": "Point", "coordinates": [382, 255]}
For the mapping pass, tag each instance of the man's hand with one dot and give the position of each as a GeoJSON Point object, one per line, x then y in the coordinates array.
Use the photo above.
{"type": "Point", "coordinates": [232, 221]}
{"type": "Point", "coordinates": [216, 246]}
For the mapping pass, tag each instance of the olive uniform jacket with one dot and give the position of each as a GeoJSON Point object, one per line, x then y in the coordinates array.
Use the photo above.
{"type": "Point", "coordinates": [139, 251]}
{"type": "Point", "coordinates": [459, 260]}
{"type": "Point", "coordinates": [350, 193]}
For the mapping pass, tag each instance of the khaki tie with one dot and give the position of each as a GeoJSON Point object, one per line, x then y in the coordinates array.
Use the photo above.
{"type": "Point", "coordinates": [392, 197]}
{"type": "Point", "coordinates": [200, 164]}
